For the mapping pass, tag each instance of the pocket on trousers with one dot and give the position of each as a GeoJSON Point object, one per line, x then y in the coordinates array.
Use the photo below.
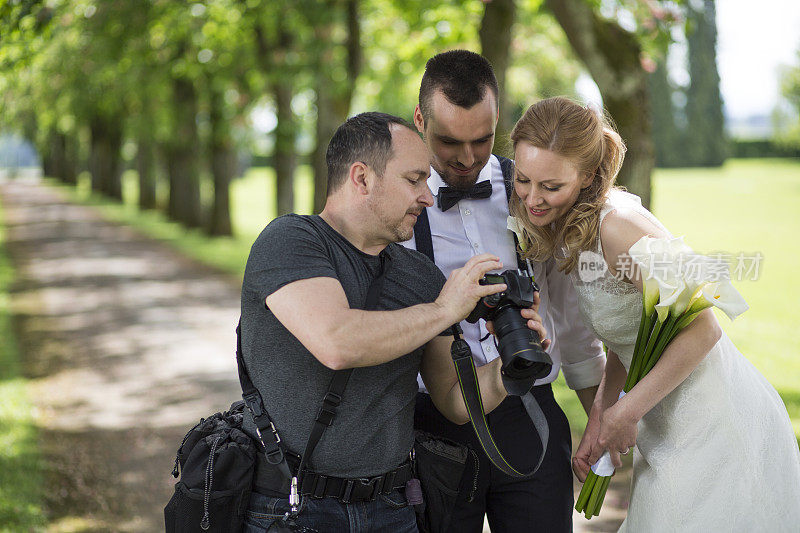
{"type": "Point", "coordinates": [264, 509]}
{"type": "Point", "coordinates": [395, 499]}
{"type": "Point", "coordinates": [186, 508]}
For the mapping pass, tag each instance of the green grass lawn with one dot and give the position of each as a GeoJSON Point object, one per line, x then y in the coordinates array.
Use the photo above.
{"type": "Point", "coordinates": [21, 480]}
{"type": "Point", "coordinates": [744, 207]}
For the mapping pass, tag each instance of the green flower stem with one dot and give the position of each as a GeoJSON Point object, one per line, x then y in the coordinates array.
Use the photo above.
{"type": "Point", "coordinates": [606, 482]}
{"type": "Point", "coordinates": [668, 333]}
{"type": "Point", "coordinates": [586, 491]}
{"type": "Point", "coordinates": [592, 505]}
{"type": "Point", "coordinates": [637, 362]}
{"type": "Point", "coordinates": [651, 342]}
{"type": "Point", "coordinates": [687, 318]}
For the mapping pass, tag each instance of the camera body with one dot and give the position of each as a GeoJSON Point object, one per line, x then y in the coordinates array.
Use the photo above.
{"type": "Point", "coordinates": [521, 353]}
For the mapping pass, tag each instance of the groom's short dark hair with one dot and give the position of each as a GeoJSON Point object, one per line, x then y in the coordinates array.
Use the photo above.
{"type": "Point", "coordinates": [461, 75]}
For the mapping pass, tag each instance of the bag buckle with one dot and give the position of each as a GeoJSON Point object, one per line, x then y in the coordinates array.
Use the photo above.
{"type": "Point", "coordinates": [326, 416]}
{"type": "Point", "coordinates": [252, 402]}
{"type": "Point", "coordinates": [332, 398]}
{"type": "Point", "coordinates": [275, 432]}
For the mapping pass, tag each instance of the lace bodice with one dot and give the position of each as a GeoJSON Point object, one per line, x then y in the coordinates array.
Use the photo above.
{"type": "Point", "coordinates": [611, 307]}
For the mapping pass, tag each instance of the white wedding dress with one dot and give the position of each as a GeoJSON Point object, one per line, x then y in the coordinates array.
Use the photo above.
{"type": "Point", "coordinates": [717, 454]}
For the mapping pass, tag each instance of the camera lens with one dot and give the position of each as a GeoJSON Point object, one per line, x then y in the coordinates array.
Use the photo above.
{"type": "Point", "coordinates": [521, 351]}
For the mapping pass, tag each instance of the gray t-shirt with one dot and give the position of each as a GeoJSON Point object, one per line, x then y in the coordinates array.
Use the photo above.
{"type": "Point", "coordinates": [372, 432]}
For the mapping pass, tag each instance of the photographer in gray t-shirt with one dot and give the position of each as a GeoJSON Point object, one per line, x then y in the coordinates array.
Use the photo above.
{"type": "Point", "coordinates": [302, 318]}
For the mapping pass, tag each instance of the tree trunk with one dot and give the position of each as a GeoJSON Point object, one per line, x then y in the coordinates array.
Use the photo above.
{"type": "Point", "coordinates": [284, 154]}
{"type": "Point", "coordinates": [70, 169]}
{"type": "Point", "coordinates": [706, 145]}
{"type": "Point", "coordinates": [105, 160]}
{"type": "Point", "coordinates": [223, 165]}
{"type": "Point", "coordinates": [333, 98]}
{"type": "Point", "coordinates": [145, 169]}
{"type": "Point", "coordinates": [327, 122]}
{"type": "Point", "coordinates": [56, 156]}
{"type": "Point", "coordinates": [495, 35]}
{"type": "Point", "coordinates": [612, 56]}
{"type": "Point", "coordinates": [666, 136]}
{"type": "Point", "coordinates": [182, 158]}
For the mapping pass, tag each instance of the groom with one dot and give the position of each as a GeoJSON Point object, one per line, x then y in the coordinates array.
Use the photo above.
{"type": "Point", "coordinates": [457, 116]}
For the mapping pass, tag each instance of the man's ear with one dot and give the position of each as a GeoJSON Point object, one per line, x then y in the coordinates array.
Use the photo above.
{"type": "Point", "coordinates": [419, 121]}
{"type": "Point", "coordinates": [359, 177]}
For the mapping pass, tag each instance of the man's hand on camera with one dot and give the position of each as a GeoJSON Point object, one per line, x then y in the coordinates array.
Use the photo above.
{"type": "Point", "coordinates": [462, 290]}
{"type": "Point", "coordinates": [534, 321]}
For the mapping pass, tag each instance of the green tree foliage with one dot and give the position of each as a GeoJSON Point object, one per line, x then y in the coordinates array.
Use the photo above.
{"type": "Point", "coordinates": [172, 84]}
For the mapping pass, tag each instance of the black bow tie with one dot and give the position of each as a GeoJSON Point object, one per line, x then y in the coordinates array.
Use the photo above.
{"type": "Point", "coordinates": [449, 196]}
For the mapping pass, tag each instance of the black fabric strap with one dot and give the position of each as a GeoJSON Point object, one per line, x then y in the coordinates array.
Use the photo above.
{"type": "Point", "coordinates": [332, 398]}
{"type": "Point", "coordinates": [353, 490]}
{"type": "Point", "coordinates": [422, 235]}
{"type": "Point", "coordinates": [471, 392]}
{"type": "Point", "coordinates": [462, 355]}
{"type": "Point", "coordinates": [273, 449]}
{"type": "Point", "coordinates": [268, 434]}
{"type": "Point", "coordinates": [507, 168]}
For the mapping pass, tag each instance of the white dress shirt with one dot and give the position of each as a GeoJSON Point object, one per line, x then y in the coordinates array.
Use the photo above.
{"type": "Point", "coordinates": [476, 226]}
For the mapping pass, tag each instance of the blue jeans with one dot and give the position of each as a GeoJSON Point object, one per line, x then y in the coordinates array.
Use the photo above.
{"type": "Point", "coordinates": [389, 513]}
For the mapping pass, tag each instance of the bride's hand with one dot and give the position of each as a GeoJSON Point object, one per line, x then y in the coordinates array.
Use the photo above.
{"type": "Point", "coordinates": [581, 463]}
{"type": "Point", "coordinates": [617, 434]}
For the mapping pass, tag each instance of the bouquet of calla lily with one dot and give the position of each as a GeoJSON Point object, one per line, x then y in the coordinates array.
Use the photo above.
{"type": "Point", "coordinates": [677, 285]}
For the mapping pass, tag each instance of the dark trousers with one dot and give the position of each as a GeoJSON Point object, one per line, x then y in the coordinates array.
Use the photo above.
{"type": "Point", "coordinates": [541, 503]}
{"type": "Point", "coordinates": [388, 513]}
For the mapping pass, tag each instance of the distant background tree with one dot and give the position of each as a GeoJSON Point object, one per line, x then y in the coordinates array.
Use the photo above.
{"type": "Point", "coordinates": [787, 118]}
{"type": "Point", "coordinates": [706, 143]}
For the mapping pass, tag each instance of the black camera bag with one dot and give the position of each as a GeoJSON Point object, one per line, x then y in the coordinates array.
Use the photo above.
{"type": "Point", "coordinates": [439, 464]}
{"type": "Point", "coordinates": [215, 463]}
{"type": "Point", "coordinates": [217, 459]}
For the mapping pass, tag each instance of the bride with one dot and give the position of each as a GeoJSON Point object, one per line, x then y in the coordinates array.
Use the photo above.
{"type": "Point", "coordinates": [715, 449]}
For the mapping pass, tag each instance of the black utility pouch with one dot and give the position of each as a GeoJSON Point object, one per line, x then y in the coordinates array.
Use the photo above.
{"type": "Point", "coordinates": [439, 465]}
{"type": "Point", "coordinates": [215, 462]}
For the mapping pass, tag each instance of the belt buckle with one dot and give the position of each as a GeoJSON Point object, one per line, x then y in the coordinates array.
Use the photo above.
{"type": "Point", "coordinates": [348, 490]}
{"type": "Point", "coordinates": [376, 483]}
{"type": "Point", "coordinates": [388, 482]}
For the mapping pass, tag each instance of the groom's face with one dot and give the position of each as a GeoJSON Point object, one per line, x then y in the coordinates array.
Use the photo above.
{"type": "Point", "coordinates": [459, 140]}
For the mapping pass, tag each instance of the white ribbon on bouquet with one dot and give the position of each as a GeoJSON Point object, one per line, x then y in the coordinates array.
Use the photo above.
{"type": "Point", "coordinates": [604, 467]}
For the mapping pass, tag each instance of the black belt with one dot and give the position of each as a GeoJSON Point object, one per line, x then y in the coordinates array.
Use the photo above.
{"type": "Point", "coordinates": [348, 490]}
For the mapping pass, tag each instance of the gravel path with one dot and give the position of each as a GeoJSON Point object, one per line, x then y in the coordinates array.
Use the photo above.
{"type": "Point", "coordinates": [127, 344]}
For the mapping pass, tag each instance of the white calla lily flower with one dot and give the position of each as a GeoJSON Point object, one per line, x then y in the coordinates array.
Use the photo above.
{"type": "Point", "coordinates": [720, 294]}
{"type": "Point", "coordinates": [670, 290]}
{"type": "Point", "coordinates": [642, 255]}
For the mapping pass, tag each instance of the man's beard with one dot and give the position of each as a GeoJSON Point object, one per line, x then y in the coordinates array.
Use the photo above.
{"type": "Point", "coordinates": [395, 230]}
{"type": "Point", "coordinates": [458, 182]}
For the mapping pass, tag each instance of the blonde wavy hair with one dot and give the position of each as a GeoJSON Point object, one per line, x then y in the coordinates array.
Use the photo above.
{"type": "Point", "coordinates": [589, 142]}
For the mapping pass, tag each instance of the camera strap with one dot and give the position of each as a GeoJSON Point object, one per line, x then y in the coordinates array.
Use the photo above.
{"type": "Point", "coordinates": [462, 355]}
{"type": "Point", "coordinates": [471, 392]}
{"type": "Point", "coordinates": [267, 433]}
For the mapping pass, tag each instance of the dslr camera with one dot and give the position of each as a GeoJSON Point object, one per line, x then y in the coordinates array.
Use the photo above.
{"type": "Point", "coordinates": [521, 353]}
